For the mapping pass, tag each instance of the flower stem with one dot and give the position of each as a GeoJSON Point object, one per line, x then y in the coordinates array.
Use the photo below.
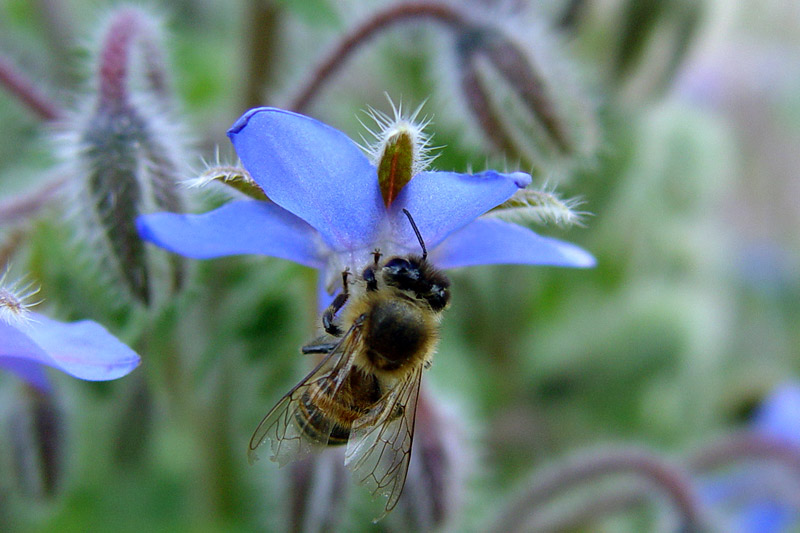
{"type": "Point", "coordinates": [581, 515]}
{"type": "Point", "coordinates": [58, 25]}
{"type": "Point", "coordinates": [128, 28]}
{"type": "Point", "coordinates": [444, 14]}
{"type": "Point", "coordinates": [20, 208]}
{"type": "Point", "coordinates": [636, 461]}
{"type": "Point", "coordinates": [747, 445]}
{"type": "Point", "coordinates": [25, 90]}
{"type": "Point", "coordinates": [263, 26]}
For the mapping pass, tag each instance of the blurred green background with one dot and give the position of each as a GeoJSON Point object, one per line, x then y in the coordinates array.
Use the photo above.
{"type": "Point", "coordinates": [689, 319]}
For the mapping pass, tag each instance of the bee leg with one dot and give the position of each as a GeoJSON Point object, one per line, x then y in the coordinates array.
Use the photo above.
{"type": "Point", "coordinates": [369, 273]}
{"type": "Point", "coordinates": [369, 276]}
{"type": "Point", "coordinates": [338, 303]}
{"type": "Point", "coordinates": [318, 348]}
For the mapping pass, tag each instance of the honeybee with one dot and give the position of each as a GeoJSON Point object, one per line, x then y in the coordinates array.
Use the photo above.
{"type": "Point", "coordinates": [363, 393]}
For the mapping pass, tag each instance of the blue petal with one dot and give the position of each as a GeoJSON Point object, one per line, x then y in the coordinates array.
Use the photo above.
{"type": "Point", "coordinates": [82, 349]}
{"type": "Point", "coordinates": [313, 171]}
{"type": "Point", "coordinates": [442, 202]}
{"type": "Point", "coordinates": [324, 299]}
{"type": "Point", "coordinates": [241, 227]}
{"type": "Point", "coordinates": [14, 347]}
{"type": "Point", "coordinates": [491, 241]}
{"type": "Point", "coordinates": [779, 414]}
{"type": "Point", "coordinates": [767, 517]}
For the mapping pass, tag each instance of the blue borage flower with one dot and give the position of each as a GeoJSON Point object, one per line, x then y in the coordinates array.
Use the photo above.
{"type": "Point", "coordinates": [778, 416]}
{"type": "Point", "coordinates": [83, 349]}
{"type": "Point", "coordinates": [758, 500]}
{"type": "Point", "coordinates": [326, 209]}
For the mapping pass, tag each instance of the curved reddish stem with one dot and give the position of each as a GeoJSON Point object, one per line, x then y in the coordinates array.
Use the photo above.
{"type": "Point", "coordinates": [26, 91]}
{"type": "Point", "coordinates": [441, 13]}
{"type": "Point", "coordinates": [632, 461]}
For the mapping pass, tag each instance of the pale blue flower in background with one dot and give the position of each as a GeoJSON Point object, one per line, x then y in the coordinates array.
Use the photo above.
{"type": "Point", "coordinates": [778, 416]}
{"type": "Point", "coordinates": [763, 500]}
{"type": "Point", "coordinates": [29, 341]}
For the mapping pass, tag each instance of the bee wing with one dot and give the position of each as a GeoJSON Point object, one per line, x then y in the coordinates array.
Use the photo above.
{"type": "Point", "coordinates": [284, 427]}
{"type": "Point", "coordinates": [379, 448]}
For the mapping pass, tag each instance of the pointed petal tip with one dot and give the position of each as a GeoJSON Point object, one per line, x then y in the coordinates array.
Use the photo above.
{"type": "Point", "coordinates": [578, 257]}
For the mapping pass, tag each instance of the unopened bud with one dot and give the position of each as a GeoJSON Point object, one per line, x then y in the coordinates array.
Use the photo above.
{"type": "Point", "coordinates": [654, 37]}
{"type": "Point", "coordinates": [111, 149]}
{"type": "Point", "coordinates": [134, 423]}
{"type": "Point", "coordinates": [36, 439]}
{"type": "Point", "coordinates": [129, 151]}
{"type": "Point", "coordinates": [524, 104]}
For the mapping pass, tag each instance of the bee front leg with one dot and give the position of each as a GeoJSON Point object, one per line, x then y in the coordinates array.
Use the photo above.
{"type": "Point", "coordinates": [323, 347]}
{"type": "Point", "coordinates": [330, 312]}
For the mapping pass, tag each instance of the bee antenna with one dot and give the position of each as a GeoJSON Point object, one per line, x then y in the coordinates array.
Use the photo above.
{"type": "Point", "coordinates": [417, 233]}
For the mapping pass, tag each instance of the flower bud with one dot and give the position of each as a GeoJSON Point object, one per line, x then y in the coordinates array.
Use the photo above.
{"type": "Point", "coordinates": [134, 424]}
{"type": "Point", "coordinates": [36, 439]}
{"type": "Point", "coordinates": [128, 152]}
{"type": "Point", "coordinates": [648, 41]}
{"type": "Point", "coordinates": [526, 104]}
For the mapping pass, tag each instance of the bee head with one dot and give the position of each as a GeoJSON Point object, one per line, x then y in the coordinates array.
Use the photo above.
{"type": "Point", "coordinates": [415, 275]}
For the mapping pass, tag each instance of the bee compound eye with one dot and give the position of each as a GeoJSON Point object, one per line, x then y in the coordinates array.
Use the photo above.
{"type": "Point", "coordinates": [438, 297]}
{"type": "Point", "coordinates": [400, 272]}
{"type": "Point", "coordinates": [397, 265]}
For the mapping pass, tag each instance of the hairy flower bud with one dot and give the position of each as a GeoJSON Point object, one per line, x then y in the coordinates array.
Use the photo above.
{"type": "Point", "coordinates": [641, 23]}
{"type": "Point", "coordinates": [647, 41]}
{"type": "Point", "coordinates": [523, 102]}
{"type": "Point", "coordinates": [127, 151]}
{"type": "Point", "coordinates": [36, 437]}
